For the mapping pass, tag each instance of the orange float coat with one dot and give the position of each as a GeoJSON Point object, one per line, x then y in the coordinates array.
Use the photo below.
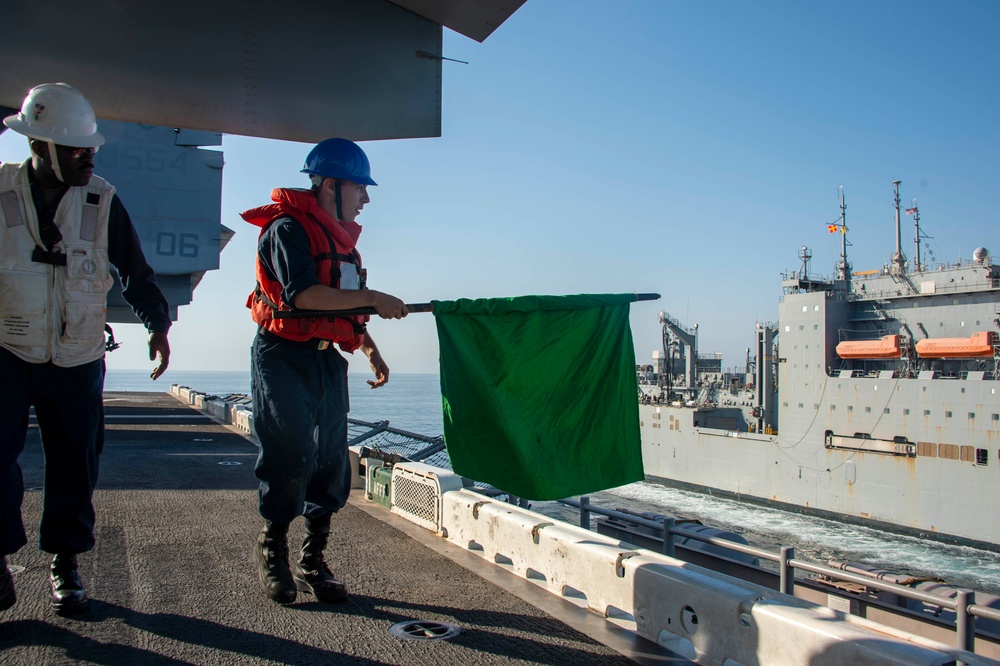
{"type": "Point", "coordinates": [331, 242]}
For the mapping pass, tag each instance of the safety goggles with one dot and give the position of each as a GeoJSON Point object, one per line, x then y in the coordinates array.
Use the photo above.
{"type": "Point", "coordinates": [77, 153]}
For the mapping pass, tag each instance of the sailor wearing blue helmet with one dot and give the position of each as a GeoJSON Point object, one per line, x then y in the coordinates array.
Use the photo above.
{"type": "Point", "coordinates": [307, 259]}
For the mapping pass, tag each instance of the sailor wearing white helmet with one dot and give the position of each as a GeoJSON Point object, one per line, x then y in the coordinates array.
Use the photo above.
{"type": "Point", "coordinates": [61, 228]}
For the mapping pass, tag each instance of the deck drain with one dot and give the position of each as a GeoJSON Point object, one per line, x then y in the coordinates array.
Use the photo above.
{"type": "Point", "coordinates": [424, 630]}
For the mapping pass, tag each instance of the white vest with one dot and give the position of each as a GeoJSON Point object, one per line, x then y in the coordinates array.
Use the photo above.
{"type": "Point", "coordinates": [54, 313]}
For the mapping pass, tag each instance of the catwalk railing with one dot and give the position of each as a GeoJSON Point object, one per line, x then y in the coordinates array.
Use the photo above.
{"type": "Point", "coordinates": [964, 604]}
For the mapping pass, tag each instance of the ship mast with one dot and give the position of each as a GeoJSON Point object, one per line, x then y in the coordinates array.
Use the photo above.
{"type": "Point", "coordinates": [843, 268]}
{"type": "Point", "coordinates": [898, 258]}
{"type": "Point", "coordinates": [915, 212]}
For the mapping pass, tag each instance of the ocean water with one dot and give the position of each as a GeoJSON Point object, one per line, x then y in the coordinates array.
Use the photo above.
{"type": "Point", "coordinates": [413, 402]}
{"type": "Point", "coordinates": [409, 401]}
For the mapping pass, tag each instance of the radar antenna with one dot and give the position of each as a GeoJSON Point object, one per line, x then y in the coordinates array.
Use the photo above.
{"type": "Point", "coordinates": [805, 254]}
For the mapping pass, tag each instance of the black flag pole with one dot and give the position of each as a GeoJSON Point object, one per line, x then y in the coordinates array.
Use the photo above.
{"type": "Point", "coordinates": [412, 307]}
{"type": "Point", "coordinates": [301, 314]}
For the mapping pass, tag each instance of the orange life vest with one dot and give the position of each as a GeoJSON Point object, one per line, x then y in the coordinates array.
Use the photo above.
{"type": "Point", "coordinates": [330, 243]}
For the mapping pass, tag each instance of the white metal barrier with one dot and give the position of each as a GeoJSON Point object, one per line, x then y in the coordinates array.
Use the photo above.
{"type": "Point", "coordinates": [702, 615]}
{"type": "Point", "coordinates": [417, 490]}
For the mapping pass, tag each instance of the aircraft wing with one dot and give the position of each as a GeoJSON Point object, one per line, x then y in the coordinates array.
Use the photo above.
{"type": "Point", "coordinates": [301, 71]}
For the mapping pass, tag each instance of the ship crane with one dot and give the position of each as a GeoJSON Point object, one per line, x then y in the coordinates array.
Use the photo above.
{"type": "Point", "coordinates": [688, 338]}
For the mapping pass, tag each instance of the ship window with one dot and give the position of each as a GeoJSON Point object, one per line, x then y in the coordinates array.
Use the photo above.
{"type": "Point", "coordinates": [947, 414]}
{"type": "Point", "coordinates": [948, 451]}
{"type": "Point", "coordinates": [963, 389]}
{"type": "Point", "coordinates": [885, 411]}
{"type": "Point", "coordinates": [815, 405]}
{"type": "Point", "coordinates": [785, 404]}
{"type": "Point", "coordinates": [972, 415]}
{"type": "Point", "coordinates": [927, 412]}
{"type": "Point", "coordinates": [815, 308]}
{"type": "Point", "coordinates": [833, 408]}
{"type": "Point", "coordinates": [977, 322]}
{"type": "Point", "coordinates": [850, 408]}
{"type": "Point", "coordinates": [982, 457]}
{"type": "Point", "coordinates": [868, 410]}
{"type": "Point", "coordinates": [963, 324]}
{"type": "Point", "coordinates": [995, 417]}
{"type": "Point", "coordinates": [967, 454]}
{"type": "Point", "coordinates": [805, 308]}
{"type": "Point", "coordinates": [906, 411]}
{"type": "Point", "coordinates": [802, 328]}
{"type": "Point", "coordinates": [815, 327]}
{"type": "Point", "coordinates": [788, 328]}
{"type": "Point", "coordinates": [800, 405]}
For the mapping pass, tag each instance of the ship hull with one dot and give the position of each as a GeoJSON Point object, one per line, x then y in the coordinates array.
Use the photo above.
{"type": "Point", "coordinates": [946, 499]}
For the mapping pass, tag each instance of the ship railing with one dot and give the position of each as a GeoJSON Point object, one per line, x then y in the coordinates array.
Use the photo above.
{"type": "Point", "coordinates": [940, 288]}
{"type": "Point", "coordinates": [964, 604]}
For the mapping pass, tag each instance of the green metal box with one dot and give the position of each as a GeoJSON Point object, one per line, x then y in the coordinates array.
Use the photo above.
{"type": "Point", "coordinates": [379, 480]}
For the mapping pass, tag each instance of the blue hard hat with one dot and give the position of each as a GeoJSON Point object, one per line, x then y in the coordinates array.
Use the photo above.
{"type": "Point", "coordinates": [340, 159]}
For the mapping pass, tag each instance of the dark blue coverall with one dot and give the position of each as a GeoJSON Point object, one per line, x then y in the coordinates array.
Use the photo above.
{"type": "Point", "coordinates": [300, 398]}
{"type": "Point", "coordinates": [69, 405]}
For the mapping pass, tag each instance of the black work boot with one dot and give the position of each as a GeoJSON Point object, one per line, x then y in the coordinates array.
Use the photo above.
{"type": "Point", "coordinates": [310, 572]}
{"type": "Point", "coordinates": [68, 595]}
{"type": "Point", "coordinates": [271, 553]}
{"type": "Point", "coordinates": [7, 596]}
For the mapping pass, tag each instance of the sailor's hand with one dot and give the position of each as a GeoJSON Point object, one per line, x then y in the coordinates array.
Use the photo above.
{"type": "Point", "coordinates": [158, 345]}
{"type": "Point", "coordinates": [387, 306]}
{"type": "Point", "coordinates": [380, 369]}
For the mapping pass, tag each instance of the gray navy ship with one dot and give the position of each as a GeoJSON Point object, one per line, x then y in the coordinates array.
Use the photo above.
{"type": "Point", "coordinates": [872, 400]}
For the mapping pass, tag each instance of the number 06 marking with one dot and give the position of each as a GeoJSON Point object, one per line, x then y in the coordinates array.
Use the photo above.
{"type": "Point", "coordinates": [169, 244]}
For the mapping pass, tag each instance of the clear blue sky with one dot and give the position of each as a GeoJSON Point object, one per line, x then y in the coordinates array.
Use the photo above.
{"type": "Point", "coordinates": [685, 148]}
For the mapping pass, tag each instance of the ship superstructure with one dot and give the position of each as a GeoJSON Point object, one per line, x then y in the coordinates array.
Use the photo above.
{"type": "Point", "coordinates": [874, 398]}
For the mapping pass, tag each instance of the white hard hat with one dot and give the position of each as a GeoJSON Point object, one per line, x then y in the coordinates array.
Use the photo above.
{"type": "Point", "coordinates": [57, 113]}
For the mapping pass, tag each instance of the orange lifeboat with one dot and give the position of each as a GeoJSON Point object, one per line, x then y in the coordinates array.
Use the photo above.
{"type": "Point", "coordinates": [887, 347]}
{"type": "Point", "coordinates": [980, 344]}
